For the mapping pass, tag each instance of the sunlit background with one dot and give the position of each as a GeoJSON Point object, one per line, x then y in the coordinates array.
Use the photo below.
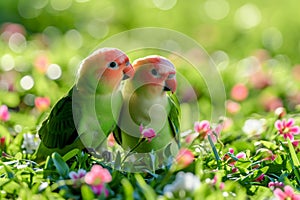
{"type": "Point", "coordinates": [255, 46]}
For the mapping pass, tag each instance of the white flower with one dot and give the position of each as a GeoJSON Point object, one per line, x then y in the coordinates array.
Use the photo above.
{"type": "Point", "coordinates": [30, 142]}
{"type": "Point", "coordinates": [254, 127]}
{"type": "Point", "coordinates": [186, 182]}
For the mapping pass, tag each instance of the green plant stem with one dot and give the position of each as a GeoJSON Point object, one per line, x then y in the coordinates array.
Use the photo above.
{"type": "Point", "coordinates": [217, 157]}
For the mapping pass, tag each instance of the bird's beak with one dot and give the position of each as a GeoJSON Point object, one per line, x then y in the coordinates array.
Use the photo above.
{"type": "Point", "coordinates": [128, 72]}
{"type": "Point", "coordinates": [170, 85]}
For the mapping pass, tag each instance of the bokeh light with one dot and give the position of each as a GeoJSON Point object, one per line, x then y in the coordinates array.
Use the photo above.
{"type": "Point", "coordinates": [216, 9]}
{"type": "Point", "coordinates": [7, 62]}
{"type": "Point", "coordinates": [165, 4]}
{"type": "Point", "coordinates": [54, 72]}
{"type": "Point", "coordinates": [27, 82]}
{"type": "Point", "coordinates": [247, 16]}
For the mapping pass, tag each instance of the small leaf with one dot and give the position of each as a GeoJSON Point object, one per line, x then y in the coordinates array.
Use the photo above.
{"type": "Point", "coordinates": [70, 154]}
{"type": "Point", "coordinates": [86, 193]}
{"type": "Point", "coordinates": [293, 154]}
{"type": "Point", "coordinates": [148, 191]}
{"type": "Point", "coordinates": [61, 166]}
{"type": "Point", "coordinates": [128, 189]}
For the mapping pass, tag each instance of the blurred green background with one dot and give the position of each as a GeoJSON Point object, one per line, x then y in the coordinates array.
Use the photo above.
{"type": "Point", "coordinates": [254, 43]}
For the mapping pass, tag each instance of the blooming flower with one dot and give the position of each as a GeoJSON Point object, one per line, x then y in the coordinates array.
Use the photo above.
{"type": "Point", "coordinates": [273, 185]}
{"type": "Point", "coordinates": [30, 142]}
{"type": "Point", "coordinates": [287, 128]}
{"type": "Point", "coordinates": [184, 158]}
{"type": "Point", "coordinates": [287, 194]}
{"type": "Point", "coordinates": [254, 127]}
{"type": "Point", "coordinates": [239, 92]}
{"type": "Point", "coordinates": [231, 162]}
{"type": "Point", "coordinates": [148, 133]}
{"type": "Point", "coordinates": [77, 175]}
{"type": "Point", "coordinates": [4, 114]}
{"type": "Point", "coordinates": [97, 177]}
{"type": "Point", "coordinates": [203, 128]}
{"type": "Point", "coordinates": [111, 140]}
{"type": "Point", "coordinates": [42, 103]}
{"type": "Point", "coordinates": [184, 182]}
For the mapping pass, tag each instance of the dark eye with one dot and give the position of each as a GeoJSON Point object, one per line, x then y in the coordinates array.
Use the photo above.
{"type": "Point", "coordinates": [171, 76]}
{"type": "Point", "coordinates": [127, 63]}
{"type": "Point", "coordinates": [113, 65]}
{"type": "Point", "coordinates": [154, 72]}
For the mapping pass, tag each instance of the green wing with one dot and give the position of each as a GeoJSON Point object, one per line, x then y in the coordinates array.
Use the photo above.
{"type": "Point", "coordinates": [174, 116]}
{"type": "Point", "coordinates": [59, 130]}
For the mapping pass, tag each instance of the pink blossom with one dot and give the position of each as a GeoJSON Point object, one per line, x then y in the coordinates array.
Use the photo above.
{"type": "Point", "coordinates": [184, 158]}
{"type": "Point", "coordinates": [42, 103]}
{"type": "Point", "coordinates": [287, 128]}
{"type": "Point", "coordinates": [232, 107]}
{"type": "Point", "coordinates": [100, 189]}
{"type": "Point", "coordinates": [111, 140]}
{"type": "Point", "coordinates": [231, 162]}
{"type": "Point", "coordinates": [239, 92]}
{"type": "Point", "coordinates": [4, 114]}
{"type": "Point", "coordinates": [148, 133]}
{"type": "Point", "coordinates": [280, 112]}
{"type": "Point", "coordinates": [215, 132]}
{"type": "Point", "coordinates": [41, 63]}
{"type": "Point", "coordinates": [287, 193]}
{"type": "Point", "coordinates": [273, 185]}
{"type": "Point", "coordinates": [77, 175]}
{"type": "Point", "coordinates": [97, 176]}
{"type": "Point", "coordinates": [203, 128]}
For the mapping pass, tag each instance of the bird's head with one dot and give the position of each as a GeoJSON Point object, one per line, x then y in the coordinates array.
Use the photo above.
{"type": "Point", "coordinates": [106, 67]}
{"type": "Point", "coordinates": [156, 73]}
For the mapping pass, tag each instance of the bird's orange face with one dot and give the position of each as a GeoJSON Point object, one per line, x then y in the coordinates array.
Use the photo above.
{"type": "Point", "coordinates": [156, 72]}
{"type": "Point", "coordinates": [106, 67]}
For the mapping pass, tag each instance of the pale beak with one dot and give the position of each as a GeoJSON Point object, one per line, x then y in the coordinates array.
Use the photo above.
{"type": "Point", "coordinates": [128, 72]}
{"type": "Point", "coordinates": [170, 85]}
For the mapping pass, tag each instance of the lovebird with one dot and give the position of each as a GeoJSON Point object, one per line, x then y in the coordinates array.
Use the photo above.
{"type": "Point", "coordinates": [89, 112]}
{"type": "Point", "coordinates": [149, 119]}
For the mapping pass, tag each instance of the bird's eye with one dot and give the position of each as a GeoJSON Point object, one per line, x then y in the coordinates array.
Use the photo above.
{"type": "Point", "coordinates": [113, 65]}
{"type": "Point", "coordinates": [127, 63]}
{"type": "Point", "coordinates": [154, 72]}
{"type": "Point", "coordinates": [171, 76]}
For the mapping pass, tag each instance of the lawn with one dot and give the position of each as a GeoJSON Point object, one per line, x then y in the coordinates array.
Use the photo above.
{"type": "Point", "coordinates": [238, 73]}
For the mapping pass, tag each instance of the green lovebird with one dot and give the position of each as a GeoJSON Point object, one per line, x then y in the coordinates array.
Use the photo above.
{"type": "Point", "coordinates": [89, 112]}
{"type": "Point", "coordinates": [149, 119]}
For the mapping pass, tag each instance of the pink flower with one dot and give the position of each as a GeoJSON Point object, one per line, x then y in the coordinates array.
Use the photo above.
{"type": "Point", "coordinates": [111, 140]}
{"type": "Point", "coordinates": [231, 162]}
{"type": "Point", "coordinates": [215, 132]}
{"type": "Point", "coordinates": [287, 194]}
{"type": "Point", "coordinates": [148, 133]}
{"type": "Point", "coordinates": [239, 92]}
{"type": "Point", "coordinates": [203, 128]}
{"type": "Point", "coordinates": [4, 114]}
{"type": "Point", "coordinates": [42, 103]}
{"type": "Point", "coordinates": [96, 178]}
{"type": "Point", "coordinates": [100, 189]}
{"type": "Point", "coordinates": [41, 63]}
{"type": "Point", "coordinates": [232, 107]}
{"type": "Point", "coordinates": [184, 158]}
{"type": "Point", "coordinates": [273, 185]}
{"type": "Point", "coordinates": [77, 175]}
{"type": "Point", "coordinates": [287, 128]}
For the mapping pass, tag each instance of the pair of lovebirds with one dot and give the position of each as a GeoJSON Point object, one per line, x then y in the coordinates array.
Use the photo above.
{"type": "Point", "coordinates": [144, 112]}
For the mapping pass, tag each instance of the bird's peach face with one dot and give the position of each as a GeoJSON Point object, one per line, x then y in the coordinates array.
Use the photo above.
{"type": "Point", "coordinates": [158, 75]}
